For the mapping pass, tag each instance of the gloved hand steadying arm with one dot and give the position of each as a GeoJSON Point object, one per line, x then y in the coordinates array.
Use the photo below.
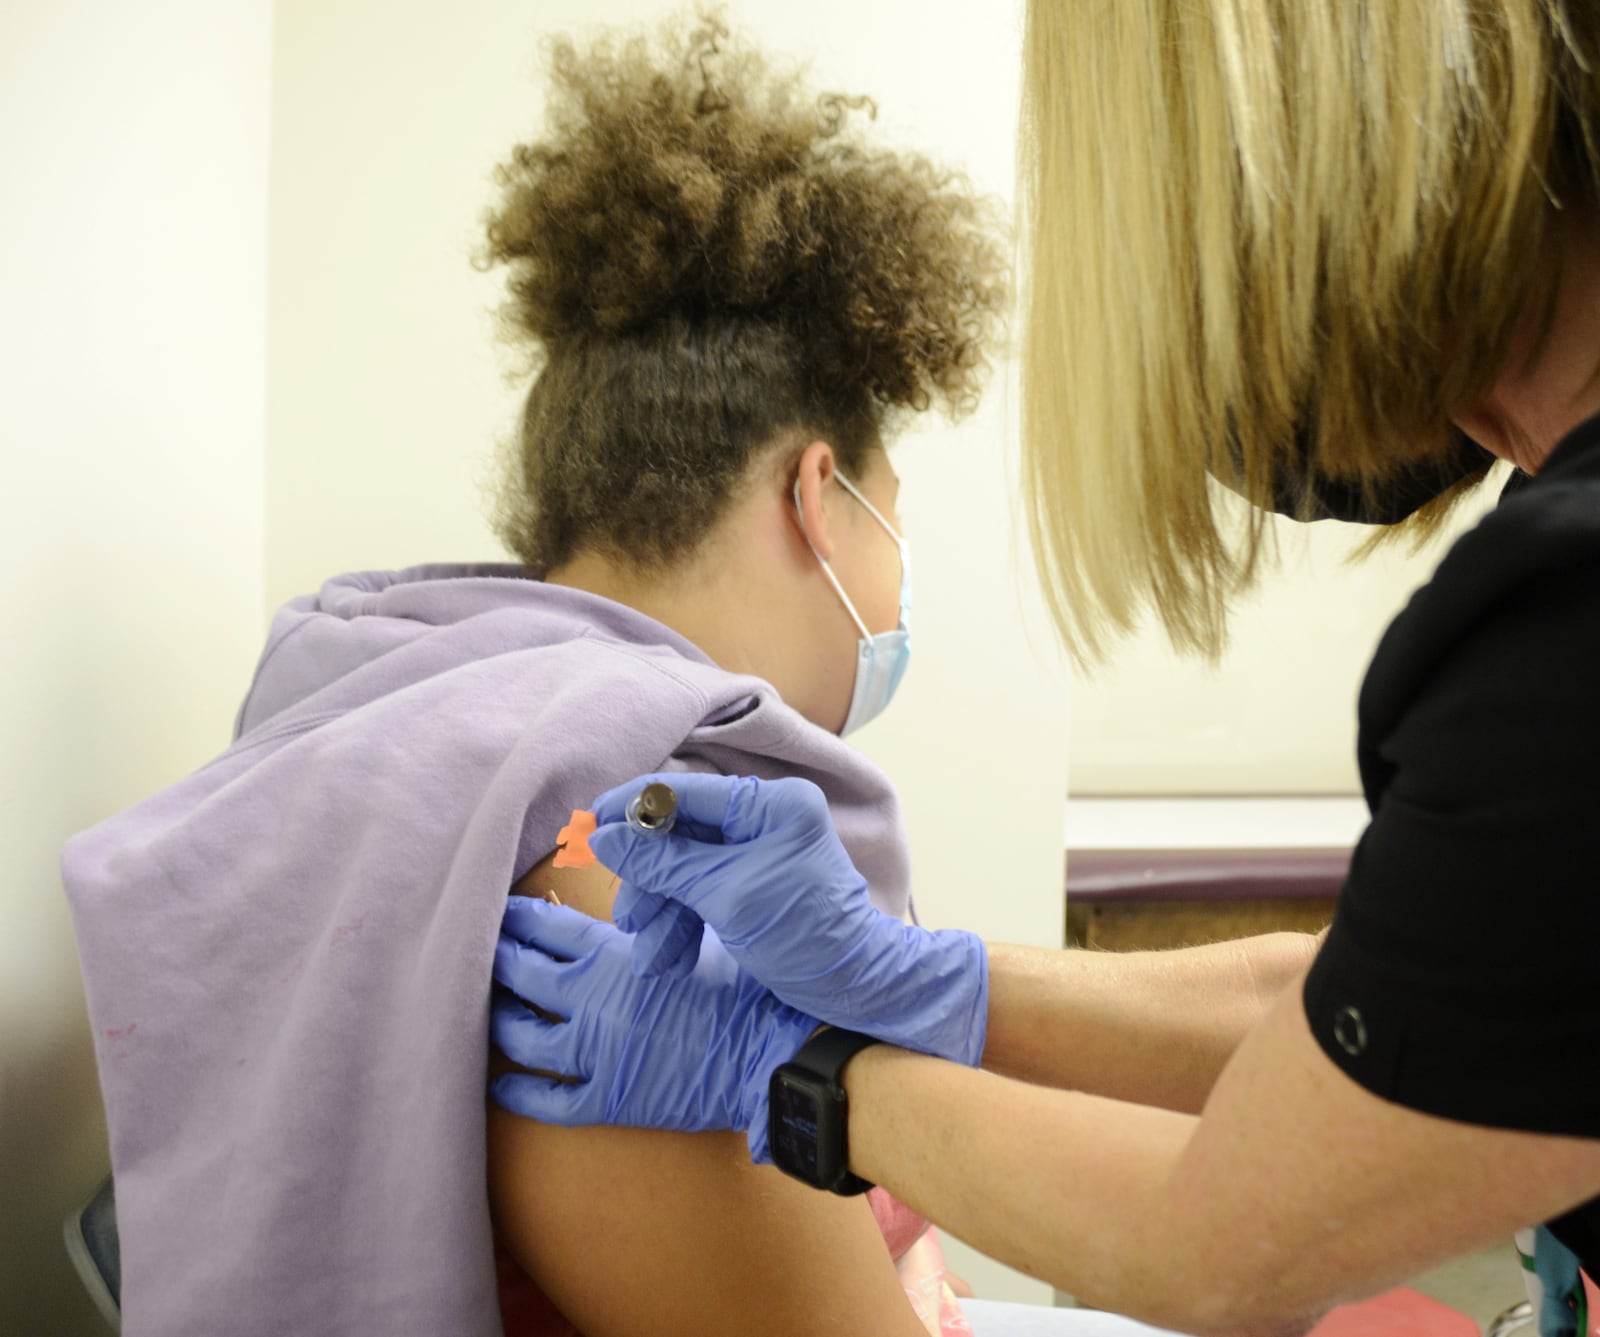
{"type": "Point", "coordinates": [760, 862]}
{"type": "Point", "coordinates": [690, 1053]}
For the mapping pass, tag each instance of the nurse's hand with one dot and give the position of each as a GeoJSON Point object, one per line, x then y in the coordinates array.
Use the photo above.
{"type": "Point", "coordinates": [760, 862]}
{"type": "Point", "coordinates": [690, 1053]}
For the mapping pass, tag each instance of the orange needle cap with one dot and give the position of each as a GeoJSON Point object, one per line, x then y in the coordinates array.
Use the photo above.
{"type": "Point", "coordinates": [573, 841]}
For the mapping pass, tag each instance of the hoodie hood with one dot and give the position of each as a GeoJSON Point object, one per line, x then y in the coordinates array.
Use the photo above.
{"type": "Point", "coordinates": [369, 633]}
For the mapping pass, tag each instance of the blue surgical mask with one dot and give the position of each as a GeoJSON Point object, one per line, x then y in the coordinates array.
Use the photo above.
{"type": "Point", "coordinates": [881, 658]}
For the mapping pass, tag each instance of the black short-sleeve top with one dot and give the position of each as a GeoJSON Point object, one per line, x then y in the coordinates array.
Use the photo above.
{"type": "Point", "coordinates": [1461, 976]}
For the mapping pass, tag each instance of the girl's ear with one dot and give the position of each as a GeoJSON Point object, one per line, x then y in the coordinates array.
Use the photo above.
{"type": "Point", "coordinates": [813, 472]}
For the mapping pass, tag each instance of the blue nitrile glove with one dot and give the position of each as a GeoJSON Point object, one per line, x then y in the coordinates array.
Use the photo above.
{"type": "Point", "coordinates": [691, 1054]}
{"type": "Point", "coordinates": [760, 862]}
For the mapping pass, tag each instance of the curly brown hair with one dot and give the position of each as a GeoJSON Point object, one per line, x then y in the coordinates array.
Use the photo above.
{"type": "Point", "coordinates": [707, 262]}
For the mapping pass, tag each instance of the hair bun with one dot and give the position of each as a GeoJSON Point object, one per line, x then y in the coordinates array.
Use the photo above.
{"type": "Point", "coordinates": [688, 176]}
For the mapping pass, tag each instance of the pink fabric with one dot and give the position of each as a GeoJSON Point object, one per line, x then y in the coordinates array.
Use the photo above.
{"type": "Point", "coordinates": [919, 1260]}
{"type": "Point", "coordinates": [901, 1225]}
{"type": "Point", "coordinates": [1397, 1313]}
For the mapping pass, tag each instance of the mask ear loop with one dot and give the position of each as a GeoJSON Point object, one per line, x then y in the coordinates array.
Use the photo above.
{"type": "Point", "coordinates": [823, 562]}
{"type": "Point", "coordinates": [872, 510]}
{"type": "Point", "coordinates": [899, 539]}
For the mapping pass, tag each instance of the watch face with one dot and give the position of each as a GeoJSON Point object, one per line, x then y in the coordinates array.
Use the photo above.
{"type": "Point", "coordinates": [807, 1113]}
{"type": "Point", "coordinates": [796, 1116]}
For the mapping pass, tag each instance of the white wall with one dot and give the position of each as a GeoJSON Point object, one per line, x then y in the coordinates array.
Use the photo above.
{"type": "Point", "coordinates": [386, 396]}
{"type": "Point", "coordinates": [133, 143]}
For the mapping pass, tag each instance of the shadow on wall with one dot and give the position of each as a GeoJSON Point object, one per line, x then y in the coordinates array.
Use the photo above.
{"type": "Point", "coordinates": [52, 1155]}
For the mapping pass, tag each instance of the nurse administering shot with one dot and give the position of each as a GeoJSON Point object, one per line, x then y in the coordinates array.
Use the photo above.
{"type": "Point", "coordinates": [1338, 258]}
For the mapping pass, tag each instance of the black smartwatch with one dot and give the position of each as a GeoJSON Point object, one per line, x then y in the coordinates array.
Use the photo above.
{"type": "Point", "coordinates": [806, 1113]}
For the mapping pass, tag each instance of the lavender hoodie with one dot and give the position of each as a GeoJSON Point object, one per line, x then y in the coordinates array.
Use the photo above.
{"type": "Point", "coordinates": [287, 954]}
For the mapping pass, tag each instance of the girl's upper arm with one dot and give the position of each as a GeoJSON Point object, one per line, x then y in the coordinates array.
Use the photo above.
{"type": "Point", "coordinates": [637, 1233]}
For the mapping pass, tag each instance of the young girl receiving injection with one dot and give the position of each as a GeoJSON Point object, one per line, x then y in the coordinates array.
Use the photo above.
{"type": "Point", "coordinates": [731, 299]}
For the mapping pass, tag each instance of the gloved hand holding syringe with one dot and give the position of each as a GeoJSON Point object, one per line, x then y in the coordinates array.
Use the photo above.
{"type": "Point", "coordinates": [796, 941]}
{"type": "Point", "coordinates": [761, 863]}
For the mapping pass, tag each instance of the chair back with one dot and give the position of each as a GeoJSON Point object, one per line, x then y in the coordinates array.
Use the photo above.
{"type": "Point", "coordinates": [96, 1252]}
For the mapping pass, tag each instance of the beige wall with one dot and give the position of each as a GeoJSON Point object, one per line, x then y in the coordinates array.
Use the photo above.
{"type": "Point", "coordinates": [386, 396]}
{"type": "Point", "coordinates": [133, 145]}
{"type": "Point", "coordinates": [1278, 714]}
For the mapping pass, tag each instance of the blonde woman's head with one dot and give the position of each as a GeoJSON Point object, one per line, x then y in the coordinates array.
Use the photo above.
{"type": "Point", "coordinates": [1271, 238]}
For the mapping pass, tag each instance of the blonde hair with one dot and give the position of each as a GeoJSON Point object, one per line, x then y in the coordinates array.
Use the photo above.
{"type": "Point", "coordinates": [1252, 219]}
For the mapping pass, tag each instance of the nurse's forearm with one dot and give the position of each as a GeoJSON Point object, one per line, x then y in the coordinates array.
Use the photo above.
{"type": "Point", "coordinates": [1070, 1188]}
{"type": "Point", "coordinates": [1023, 1173]}
{"type": "Point", "coordinates": [1151, 1027]}
{"type": "Point", "coordinates": [1297, 1190]}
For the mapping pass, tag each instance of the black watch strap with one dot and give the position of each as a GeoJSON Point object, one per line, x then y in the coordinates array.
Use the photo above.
{"type": "Point", "coordinates": [826, 1052]}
